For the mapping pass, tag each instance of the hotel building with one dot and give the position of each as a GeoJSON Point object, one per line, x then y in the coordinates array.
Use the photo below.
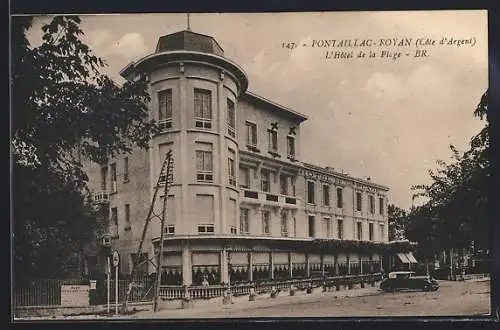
{"type": "Point", "coordinates": [243, 205]}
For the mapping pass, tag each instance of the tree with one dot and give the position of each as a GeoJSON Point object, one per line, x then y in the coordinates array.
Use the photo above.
{"type": "Point", "coordinates": [398, 221]}
{"type": "Point", "coordinates": [64, 109]}
{"type": "Point", "coordinates": [455, 214]}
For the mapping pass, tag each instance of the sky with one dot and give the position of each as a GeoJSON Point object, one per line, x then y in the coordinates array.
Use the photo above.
{"type": "Point", "coordinates": [383, 118]}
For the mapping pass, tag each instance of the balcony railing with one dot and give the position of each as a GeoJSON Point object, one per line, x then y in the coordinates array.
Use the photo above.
{"type": "Point", "coordinates": [196, 292]}
{"type": "Point", "coordinates": [260, 197]}
{"type": "Point", "coordinates": [101, 197]}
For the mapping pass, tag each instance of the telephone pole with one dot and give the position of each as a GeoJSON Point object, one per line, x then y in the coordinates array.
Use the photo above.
{"type": "Point", "coordinates": [159, 263]}
{"type": "Point", "coordinates": [166, 175]}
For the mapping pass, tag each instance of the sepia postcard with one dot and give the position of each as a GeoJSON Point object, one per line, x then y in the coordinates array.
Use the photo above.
{"type": "Point", "coordinates": [250, 165]}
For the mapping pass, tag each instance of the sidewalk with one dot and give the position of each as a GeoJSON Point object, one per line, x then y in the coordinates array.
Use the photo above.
{"type": "Point", "coordinates": [173, 310]}
{"type": "Point", "coordinates": [262, 301]}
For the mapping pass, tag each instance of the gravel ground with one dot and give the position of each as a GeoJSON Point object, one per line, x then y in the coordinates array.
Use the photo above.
{"type": "Point", "coordinates": [452, 299]}
{"type": "Point", "coordinates": [466, 298]}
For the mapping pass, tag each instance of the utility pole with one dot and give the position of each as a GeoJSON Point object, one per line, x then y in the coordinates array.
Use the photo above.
{"type": "Point", "coordinates": [160, 254]}
{"type": "Point", "coordinates": [166, 175]}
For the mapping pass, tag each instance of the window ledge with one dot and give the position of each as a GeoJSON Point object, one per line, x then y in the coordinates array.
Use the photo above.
{"type": "Point", "coordinates": [274, 154]}
{"type": "Point", "coordinates": [253, 148]}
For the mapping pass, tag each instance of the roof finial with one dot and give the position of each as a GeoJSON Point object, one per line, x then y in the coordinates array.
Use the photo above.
{"type": "Point", "coordinates": [188, 25]}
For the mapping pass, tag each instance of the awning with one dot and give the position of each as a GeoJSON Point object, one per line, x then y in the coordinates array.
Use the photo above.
{"type": "Point", "coordinates": [403, 258]}
{"type": "Point", "coordinates": [411, 258]}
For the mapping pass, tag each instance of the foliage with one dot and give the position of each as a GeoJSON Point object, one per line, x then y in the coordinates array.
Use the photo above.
{"type": "Point", "coordinates": [64, 109]}
{"type": "Point", "coordinates": [455, 214]}
{"type": "Point", "coordinates": [398, 221]}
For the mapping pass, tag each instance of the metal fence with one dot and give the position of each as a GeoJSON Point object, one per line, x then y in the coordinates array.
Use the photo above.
{"type": "Point", "coordinates": [47, 292]}
{"type": "Point", "coordinates": [42, 292]}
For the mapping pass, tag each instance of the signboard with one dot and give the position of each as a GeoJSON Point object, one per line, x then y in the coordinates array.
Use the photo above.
{"type": "Point", "coordinates": [116, 258]}
{"type": "Point", "coordinates": [75, 295]}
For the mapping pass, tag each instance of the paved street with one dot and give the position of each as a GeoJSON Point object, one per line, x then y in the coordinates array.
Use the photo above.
{"type": "Point", "coordinates": [453, 298]}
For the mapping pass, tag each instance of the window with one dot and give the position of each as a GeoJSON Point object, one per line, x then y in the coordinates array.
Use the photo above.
{"type": "Point", "coordinates": [295, 226]}
{"type": "Point", "coordinates": [340, 229]}
{"type": "Point", "coordinates": [370, 231]}
{"type": "Point", "coordinates": [204, 165]}
{"type": "Point", "coordinates": [382, 232]}
{"type": "Point", "coordinates": [127, 214]}
{"type": "Point", "coordinates": [273, 140]}
{"type": "Point", "coordinates": [244, 177]}
{"type": "Point", "coordinates": [114, 216]}
{"type": "Point", "coordinates": [381, 205]}
{"type": "Point", "coordinates": [266, 230]}
{"type": "Point", "coordinates": [244, 221]}
{"type": "Point", "coordinates": [204, 211]}
{"type": "Point", "coordinates": [372, 204]}
{"type": "Point", "coordinates": [231, 168]}
{"type": "Point", "coordinates": [311, 226]}
{"type": "Point", "coordinates": [284, 184]}
{"type": "Point", "coordinates": [206, 229]}
{"type": "Point", "coordinates": [310, 192]}
{"type": "Point", "coordinates": [104, 174]}
{"type": "Point", "coordinates": [340, 198]}
{"type": "Point", "coordinates": [359, 230]}
{"type": "Point", "coordinates": [251, 134]}
{"type": "Point", "coordinates": [170, 229]}
{"type": "Point", "coordinates": [284, 225]}
{"type": "Point", "coordinates": [326, 195]}
{"type": "Point", "coordinates": [203, 108]}
{"type": "Point", "coordinates": [113, 178]}
{"type": "Point", "coordinates": [290, 142]}
{"type": "Point", "coordinates": [233, 217]}
{"type": "Point", "coordinates": [165, 109]}
{"type": "Point", "coordinates": [328, 227]}
{"type": "Point", "coordinates": [231, 119]}
{"type": "Point", "coordinates": [359, 201]}
{"type": "Point", "coordinates": [265, 181]}
{"type": "Point", "coordinates": [125, 169]}
{"type": "Point", "coordinates": [293, 186]}
{"type": "Point", "coordinates": [114, 221]}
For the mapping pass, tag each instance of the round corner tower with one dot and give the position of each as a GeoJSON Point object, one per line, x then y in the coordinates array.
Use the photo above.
{"type": "Point", "coordinates": [194, 93]}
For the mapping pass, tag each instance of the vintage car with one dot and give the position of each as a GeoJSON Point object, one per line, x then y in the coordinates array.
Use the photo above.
{"type": "Point", "coordinates": [406, 280]}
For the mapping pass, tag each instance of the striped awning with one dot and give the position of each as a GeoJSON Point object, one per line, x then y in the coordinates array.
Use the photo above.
{"type": "Point", "coordinates": [411, 258]}
{"type": "Point", "coordinates": [403, 258]}
{"type": "Point", "coordinates": [407, 258]}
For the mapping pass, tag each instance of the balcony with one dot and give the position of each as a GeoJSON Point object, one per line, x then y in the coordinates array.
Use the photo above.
{"type": "Point", "coordinates": [270, 199]}
{"type": "Point", "coordinates": [101, 197]}
{"type": "Point", "coordinates": [165, 124]}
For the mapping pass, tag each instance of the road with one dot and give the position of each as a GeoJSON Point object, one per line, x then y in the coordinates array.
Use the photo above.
{"type": "Point", "coordinates": [468, 298]}
{"type": "Point", "coordinates": [452, 299]}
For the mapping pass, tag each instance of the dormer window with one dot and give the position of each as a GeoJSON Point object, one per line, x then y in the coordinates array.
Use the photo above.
{"type": "Point", "coordinates": [290, 143]}
{"type": "Point", "coordinates": [273, 140]}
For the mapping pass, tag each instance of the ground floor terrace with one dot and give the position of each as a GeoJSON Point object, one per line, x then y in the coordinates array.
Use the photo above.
{"type": "Point", "coordinates": [234, 260]}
